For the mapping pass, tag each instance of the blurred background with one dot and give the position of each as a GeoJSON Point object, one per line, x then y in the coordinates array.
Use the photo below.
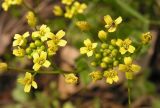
{"type": "Point", "coordinates": [138, 16]}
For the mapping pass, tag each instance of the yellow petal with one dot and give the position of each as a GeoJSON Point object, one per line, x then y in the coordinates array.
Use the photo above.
{"type": "Point", "coordinates": [26, 34]}
{"type": "Point", "coordinates": [135, 68]}
{"type": "Point", "coordinates": [27, 88]}
{"type": "Point", "coordinates": [128, 60]}
{"type": "Point", "coordinates": [108, 20]}
{"type": "Point", "coordinates": [131, 49]}
{"type": "Point", "coordinates": [15, 43]}
{"type": "Point", "coordinates": [43, 55]}
{"type": "Point", "coordinates": [17, 36]}
{"type": "Point", "coordinates": [90, 53]}
{"type": "Point", "coordinates": [119, 42]}
{"type": "Point", "coordinates": [109, 80]}
{"type": "Point", "coordinates": [118, 20]}
{"type": "Point", "coordinates": [46, 63]}
{"type": "Point", "coordinates": [122, 50]}
{"type": "Point", "coordinates": [50, 35]}
{"type": "Point", "coordinates": [94, 45]}
{"type": "Point", "coordinates": [112, 29]}
{"type": "Point", "coordinates": [87, 42]}
{"type": "Point", "coordinates": [60, 34]}
{"type": "Point", "coordinates": [20, 80]}
{"type": "Point", "coordinates": [34, 84]}
{"type": "Point", "coordinates": [62, 43]}
{"type": "Point", "coordinates": [115, 79]}
{"type": "Point", "coordinates": [122, 67]}
{"type": "Point", "coordinates": [28, 75]}
{"type": "Point", "coordinates": [83, 50]}
{"type": "Point", "coordinates": [36, 67]}
{"type": "Point", "coordinates": [44, 38]}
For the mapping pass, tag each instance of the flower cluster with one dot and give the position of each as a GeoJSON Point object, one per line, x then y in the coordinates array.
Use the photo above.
{"type": "Point", "coordinates": [7, 3]}
{"type": "Point", "coordinates": [113, 55]}
{"type": "Point", "coordinates": [72, 7]}
{"type": "Point", "coordinates": [39, 46]}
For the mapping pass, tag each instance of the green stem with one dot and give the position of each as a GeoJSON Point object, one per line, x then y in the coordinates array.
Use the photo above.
{"type": "Point", "coordinates": [129, 93]}
{"type": "Point", "coordinates": [39, 72]}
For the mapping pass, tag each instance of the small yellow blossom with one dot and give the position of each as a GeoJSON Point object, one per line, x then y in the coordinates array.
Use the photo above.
{"type": "Point", "coordinates": [70, 12]}
{"type": "Point", "coordinates": [96, 75]}
{"type": "Point", "coordinates": [42, 33]}
{"type": "Point", "coordinates": [39, 60]}
{"type": "Point", "coordinates": [111, 75]}
{"type": "Point", "coordinates": [89, 47]}
{"type": "Point", "coordinates": [71, 78]}
{"type": "Point", "coordinates": [28, 82]}
{"type": "Point", "coordinates": [83, 25]}
{"type": "Point", "coordinates": [102, 35]}
{"type": "Point", "coordinates": [80, 8]}
{"type": "Point", "coordinates": [20, 40]}
{"type": "Point", "coordinates": [7, 3]}
{"type": "Point", "coordinates": [111, 24]}
{"type": "Point", "coordinates": [31, 19]}
{"type": "Point", "coordinates": [125, 46]}
{"type": "Point", "coordinates": [19, 52]}
{"type": "Point", "coordinates": [67, 2]}
{"type": "Point", "coordinates": [57, 10]}
{"type": "Point", "coordinates": [52, 49]}
{"type": "Point", "coordinates": [57, 39]}
{"type": "Point", "coordinates": [129, 68]}
{"type": "Point", "coordinates": [146, 37]}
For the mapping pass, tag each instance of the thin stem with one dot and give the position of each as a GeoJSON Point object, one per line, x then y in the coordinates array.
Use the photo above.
{"type": "Point", "coordinates": [129, 93]}
{"type": "Point", "coordinates": [38, 72]}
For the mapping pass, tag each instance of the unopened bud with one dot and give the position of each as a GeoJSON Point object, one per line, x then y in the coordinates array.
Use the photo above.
{"type": "Point", "coordinates": [3, 67]}
{"type": "Point", "coordinates": [102, 35]}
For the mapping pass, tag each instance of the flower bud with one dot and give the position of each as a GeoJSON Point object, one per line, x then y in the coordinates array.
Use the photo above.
{"type": "Point", "coordinates": [115, 63]}
{"type": "Point", "coordinates": [111, 47]}
{"type": "Point", "coordinates": [104, 46]}
{"type": "Point", "coordinates": [102, 35]}
{"type": "Point", "coordinates": [93, 63]}
{"type": "Point", "coordinates": [28, 50]}
{"type": "Point", "coordinates": [97, 56]}
{"type": "Point", "coordinates": [146, 37]}
{"type": "Point", "coordinates": [71, 78]}
{"type": "Point", "coordinates": [113, 42]}
{"type": "Point", "coordinates": [32, 45]}
{"type": "Point", "coordinates": [114, 52]}
{"type": "Point", "coordinates": [107, 60]}
{"type": "Point", "coordinates": [103, 65]}
{"type": "Point", "coordinates": [3, 67]}
{"type": "Point", "coordinates": [38, 43]}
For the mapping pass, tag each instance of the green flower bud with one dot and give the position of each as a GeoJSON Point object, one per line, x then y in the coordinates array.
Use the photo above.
{"type": "Point", "coordinates": [3, 67]}
{"type": "Point", "coordinates": [38, 43]}
{"type": "Point", "coordinates": [28, 50]}
{"type": "Point", "coordinates": [115, 63]}
{"type": "Point", "coordinates": [107, 60]}
{"type": "Point", "coordinates": [108, 51]}
{"type": "Point", "coordinates": [104, 46]}
{"type": "Point", "coordinates": [104, 54]}
{"type": "Point", "coordinates": [102, 35]}
{"type": "Point", "coordinates": [101, 50]}
{"type": "Point", "coordinates": [93, 63]}
{"type": "Point", "coordinates": [113, 42]}
{"type": "Point", "coordinates": [32, 45]}
{"type": "Point", "coordinates": [97, 56]}
{"type": "Point", "coordinates": [42, 47]}
{"type": "Point", "coordinates": [103, 65]}
{"type": "Point", "coordinates": [114, 52]}
{"type": "Point", "coordinates": [34, 38]}
{"type": "Point", "coordinates": [111, 47]}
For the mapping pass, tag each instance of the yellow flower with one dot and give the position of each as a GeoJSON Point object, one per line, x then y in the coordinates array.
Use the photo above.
{"type": "Point", "coordinates": [69, 12]}
{"type": "Point", "coordinates": [57, 10]}
{"type": "Point", "coordinates": [111, 24]}
{"type": "Point", "coordinates": [146, 37]}
{"type": "Point", "coordinates": [89, 47]}
{"type": "Point", "coordinates": [79, 7]}
{"type": "Point", "coordinates": [67, 2]}
{"type": "Point", "coordinates": [31, 19]}
{"type": "Point", "coordinates": [111, 75]}
{"type": "Point", "coordinates": [39, 60]}
{"type": "Point", "coordinates": [129, 68]}
{"type": "Point", "coordinates": [19, 52]}
{"type": "Point", "coordinates": [96, 75]}
{"type": "Point", "coordinates": [52, 49]}
{"type": "Point", "coordinates": [57, 39]}
{"type": "Point", "coordinates": [28, 81]}
{"type": "Point", "coordinates": [42, 33]}
{"type": "Point", "coordinates": [83, 25]}
{"type": "Point", "coordinates": [71, 78]}
{"type": "Point", "coordinates": [125, 46]}
{"type": "Point", "coordinates": [20, 40]}
{"type": "Point", "coordinates": [7, 3]}
{"type": "Point", "coordinates": [102, 35]}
